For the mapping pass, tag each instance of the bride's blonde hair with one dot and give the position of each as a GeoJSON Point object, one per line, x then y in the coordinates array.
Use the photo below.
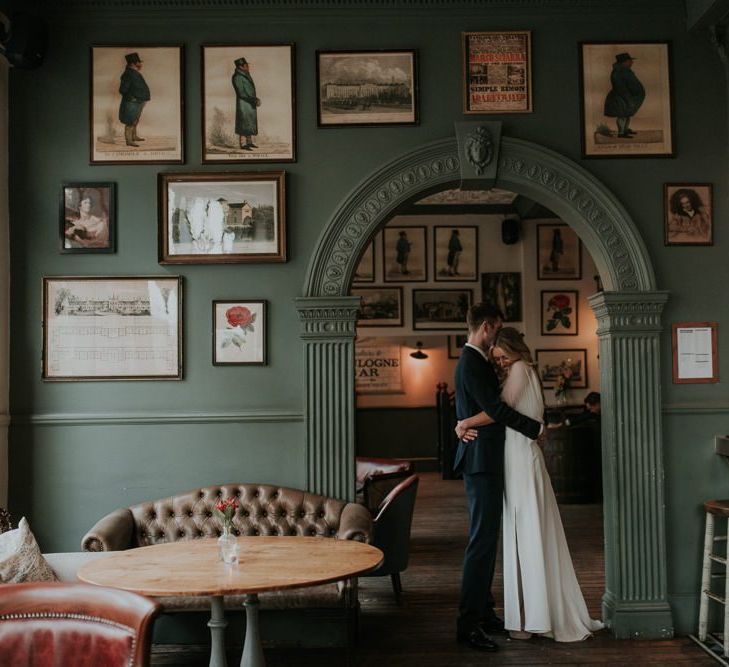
{"type": "Point", "coordinates": [512, 342]}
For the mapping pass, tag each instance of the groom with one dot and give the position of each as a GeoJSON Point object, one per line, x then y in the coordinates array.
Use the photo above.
{"type": "Point", "coordinates": [482, 463]}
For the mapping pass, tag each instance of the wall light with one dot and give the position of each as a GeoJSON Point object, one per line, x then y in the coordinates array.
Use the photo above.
{"type": "Point", "coordinates": [419, 354]}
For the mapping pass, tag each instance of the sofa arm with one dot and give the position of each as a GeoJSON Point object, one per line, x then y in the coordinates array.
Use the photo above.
{"type": "Point", "coordinates": [112, 533]}
{"type": "Point", "coordinates": [355, 523]}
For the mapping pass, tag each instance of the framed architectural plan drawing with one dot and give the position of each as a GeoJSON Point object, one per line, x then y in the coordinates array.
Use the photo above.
{"type": "Point", "coordinates": [104, 328]}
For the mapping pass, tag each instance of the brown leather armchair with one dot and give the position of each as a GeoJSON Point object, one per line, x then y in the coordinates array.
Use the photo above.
{"type": "Point", "coordinates": [376, 477]}
{"type": "Point", "coordinates": [392, 532]}
{"type": "Point", "coordinates": [47, 624]}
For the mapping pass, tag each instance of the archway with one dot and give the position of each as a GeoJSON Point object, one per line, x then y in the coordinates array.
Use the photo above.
{"type": "Point", "coordinates": [629, 325]}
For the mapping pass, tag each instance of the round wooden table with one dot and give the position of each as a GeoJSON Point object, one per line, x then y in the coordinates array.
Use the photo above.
{"type": "Point", "coordinates": [192, 567]}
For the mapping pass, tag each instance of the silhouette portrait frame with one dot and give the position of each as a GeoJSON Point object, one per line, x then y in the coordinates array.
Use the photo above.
{"type": "Point", "coordinates": [559, 255]}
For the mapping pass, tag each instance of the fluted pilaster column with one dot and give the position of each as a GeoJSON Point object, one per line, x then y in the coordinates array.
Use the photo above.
{"type": "Point", "coordinates": [328, 327]}
{"type": "Point", "coordinates": [635, 603]}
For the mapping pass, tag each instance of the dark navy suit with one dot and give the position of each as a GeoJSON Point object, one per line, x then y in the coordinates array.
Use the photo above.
{"type": "Point", "coordinates": [482, 463]}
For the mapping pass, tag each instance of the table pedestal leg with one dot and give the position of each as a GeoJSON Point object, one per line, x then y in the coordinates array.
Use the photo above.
{"type": "Point", "coordinates": [252, 649]}
{"type": "Point", "coordinates": [217, 625]}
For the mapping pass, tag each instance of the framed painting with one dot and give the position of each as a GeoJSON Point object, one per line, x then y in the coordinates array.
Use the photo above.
{"type": "Point", "coordinates": [497, 72]}
{"type": "Point", "coordinates": [688, 214]}
{"type": "Point", "coordinates": [503, 290]}
{"type": "Point", "coordinates": [571, 364]}
{"type": "Point", "coordinates": [365, 271]}
{"type": "Point", "coordinates": [559, 253]}
{"type": "Point", "coordinates": [239, 333]}
{"type": "Point", "coordinates": [367, 88]}
{"type": "Point", "coordinates": [222, 218]}
{"type": "Point", "coordinates": [455, 253]}
{"type": "Point", "coordinates": [441, 309]}
{"type": "Point", "coordinates": [87, 218]}
{"type": "Point", "coordinates": [455, 345]}
{"type": "Point", "coordinates": [112, 328]}
{"type": "Point", "coordinates": [626, 99]}
{"type": "Point", "coordinates": [559, 313]}
{"type": "Point", "coordinates": [381, 306]}
{"type": "Point", "coordinates": [248, 100]}
{"type": "Point", "coordinates": [136, 105]}
{"type": "Point", "coordinates": [404, 252]}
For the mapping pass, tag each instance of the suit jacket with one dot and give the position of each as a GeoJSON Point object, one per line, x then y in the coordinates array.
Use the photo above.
{"type": "Point", "coordinates": [477, 389]}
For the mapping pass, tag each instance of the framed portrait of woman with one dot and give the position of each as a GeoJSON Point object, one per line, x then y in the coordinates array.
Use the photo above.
{"type": "Point", "coordinates": [86, 218]}
{"type": "Point", "coordinates": [688, 214]}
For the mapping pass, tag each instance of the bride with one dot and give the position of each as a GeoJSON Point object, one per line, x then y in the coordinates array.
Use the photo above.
{"type": "Point", "coordinates": [541, 592]}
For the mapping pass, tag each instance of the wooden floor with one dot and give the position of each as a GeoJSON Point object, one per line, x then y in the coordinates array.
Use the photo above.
{"type": "Point", "coordinates": [421, 633]}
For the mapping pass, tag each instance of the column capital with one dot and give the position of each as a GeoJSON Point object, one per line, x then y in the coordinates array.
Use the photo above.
{"type": "Point", "coordinates": [328, 317]}
{"type": "Point", "coordinates": [628, 312]}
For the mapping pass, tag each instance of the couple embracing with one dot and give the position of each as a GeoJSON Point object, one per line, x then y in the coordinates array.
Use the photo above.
{"type": "Point", "coordinates": [503, 469]}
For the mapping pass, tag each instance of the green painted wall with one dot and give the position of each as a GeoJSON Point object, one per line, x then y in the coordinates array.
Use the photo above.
{"type": "Point", "coordinates": [66, 471]}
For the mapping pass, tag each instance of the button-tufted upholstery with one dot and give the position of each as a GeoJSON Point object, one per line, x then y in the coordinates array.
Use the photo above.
{"type": "Point", "coordinates": [47, 624]}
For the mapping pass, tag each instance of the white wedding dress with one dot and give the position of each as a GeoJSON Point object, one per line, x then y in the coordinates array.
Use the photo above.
{"type": "Point", "coordinates": [536, 557]}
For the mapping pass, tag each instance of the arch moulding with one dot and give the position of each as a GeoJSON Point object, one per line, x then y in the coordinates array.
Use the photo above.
{"type": "Point", "coordinates": [628, 313]}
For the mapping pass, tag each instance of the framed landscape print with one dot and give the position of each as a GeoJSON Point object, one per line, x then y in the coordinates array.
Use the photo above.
{"type": "Point", "coordinates": [365, 271]}
{"type": "Point", "coordinates": [404, 253]}
{"type": "Point", "coordinates": [120, 328]}
{"type": "Point", "coordinates": [497, 72]}
{"type": "Point", "coordinates": [503, 290]}
{"type": "Point", "coordinates": [559, 253]}
{"type": "Point", "coordinates": [222, 218]}
{"type": "Point", "coordinates": [626, 99]}
{"type": "Point", "coordinates": [136, 105]}
{"type": "Point", "coordinates": [87, 217]}
{"type": "Point", "coordinates": [455, 345]}
{"type": "Point", "coordinates": [553, 363]}
{"type": "Point", "coordinates": [366, 88]}
{"type": "Point", "coordinates": [559, 313]}
{"type": "Point", "coordinates": [239, 333]}
{"type": "Point", "coordinates": [441, 309]}
{"type": "Point", "coordinates": [455, 253]}
{"type": "Point", "coordinates": [688, 214]}
{"type": "Point", "coordinates": [249, 111]}
{"type": "Point", "coordinates": [381, 306]}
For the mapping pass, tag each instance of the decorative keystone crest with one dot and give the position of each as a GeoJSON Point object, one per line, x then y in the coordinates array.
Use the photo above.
{"type": "Point", "coordinates": [479, 149]}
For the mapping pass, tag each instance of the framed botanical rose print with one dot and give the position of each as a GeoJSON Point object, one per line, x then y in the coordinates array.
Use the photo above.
{"type": "Point", "coordinates": [239, 333]}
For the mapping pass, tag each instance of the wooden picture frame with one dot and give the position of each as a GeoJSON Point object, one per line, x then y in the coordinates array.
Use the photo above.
{"type": "Point", "coordinates": [261, 72]}
{"type": "Point", "coordinates": [560, 309]}
{"type": "Point", "coordinates": [125, 128]}
{"type": "Point", "coordinates": [455, 253]}
{"type": "Point", "coordinates": [366, 88]}
{"type": "Point", "coordinates": [639, 100]}
{"type": "Point", "coordinates": [381, 306]}
{"type": "Point", "coordinates": [456, 342]}
{"type": "Point", "coordinates": [441, 309]}
{"type": "Point", "coordinates": [222, 218]}
{"type": "Point", "coordinates": [87, 218]}
{"type": "Point", "coordinates": [559, 252]}
{"type": "Point", "coordinates": [550, 361]}
{"type": "Point", "coordinates": [497, 72]}
{"type": "Point", "coordinates": [695, 359]}
{"type": "Point", "coordinates": [405, 254]}
{"type": "Point", "coordinates": [112, 328]}
{"type": "Point", "coordinates": [688, 213]}
{"type": "Point", "coordinates": [239, 332]}
{"type": "Point", "coordinates": [503, 290]}
{"type": "Point", "coordinates": [365, 271]}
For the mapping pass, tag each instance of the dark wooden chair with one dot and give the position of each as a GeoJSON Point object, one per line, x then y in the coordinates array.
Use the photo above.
{"type": "Point", "coordinates": [376, 477]}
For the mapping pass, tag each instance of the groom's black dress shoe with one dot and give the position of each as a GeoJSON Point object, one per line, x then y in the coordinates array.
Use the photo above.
{"type": "Point", "coordinates": [478, 639]}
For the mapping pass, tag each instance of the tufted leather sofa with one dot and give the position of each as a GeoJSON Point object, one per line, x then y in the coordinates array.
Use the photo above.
{"type": "Point", "coordinates": [264, 510]}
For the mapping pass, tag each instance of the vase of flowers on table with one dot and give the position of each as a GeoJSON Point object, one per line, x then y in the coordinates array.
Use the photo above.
{"type": "Point", "coordinates": [562, 384]}
{"type": "Point", "coordinates": [227, 542]}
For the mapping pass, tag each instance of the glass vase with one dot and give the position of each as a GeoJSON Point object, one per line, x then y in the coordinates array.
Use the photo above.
{"type": "Point", "coordinates": [228, 548]}
{"type": "Point", "coordinates": [561, 398]}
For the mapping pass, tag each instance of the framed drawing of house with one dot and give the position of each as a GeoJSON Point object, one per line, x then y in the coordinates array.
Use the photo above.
{"type": "Point", "coordinates": [626, 99]}
{"type": "Point", "coordinates": [441, 309]}
{"type": "Point", "coordinates": [380, 306]}
{"type": "Point", "coordinates": [249, 111]}
{"type": "Point", "coordinates": [136, 105]}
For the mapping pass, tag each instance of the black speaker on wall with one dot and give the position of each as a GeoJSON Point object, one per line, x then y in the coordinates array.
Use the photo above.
{"type": "Point", "coordinates": [24, 39]}
{"type": "Point", "coordinates": [510, 231]}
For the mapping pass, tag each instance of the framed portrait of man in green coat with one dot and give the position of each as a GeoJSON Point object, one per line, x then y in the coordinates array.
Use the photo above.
{"type": "Point", "coordinates": [248, 103]}
{"type": "Point", "coordinates": [136, 105]}
{"type": "Point", "coordinates": [626, 99]}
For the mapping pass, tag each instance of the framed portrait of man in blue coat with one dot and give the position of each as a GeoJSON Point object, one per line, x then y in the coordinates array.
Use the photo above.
{"type": "Point", "coordinates": [626, 99]}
